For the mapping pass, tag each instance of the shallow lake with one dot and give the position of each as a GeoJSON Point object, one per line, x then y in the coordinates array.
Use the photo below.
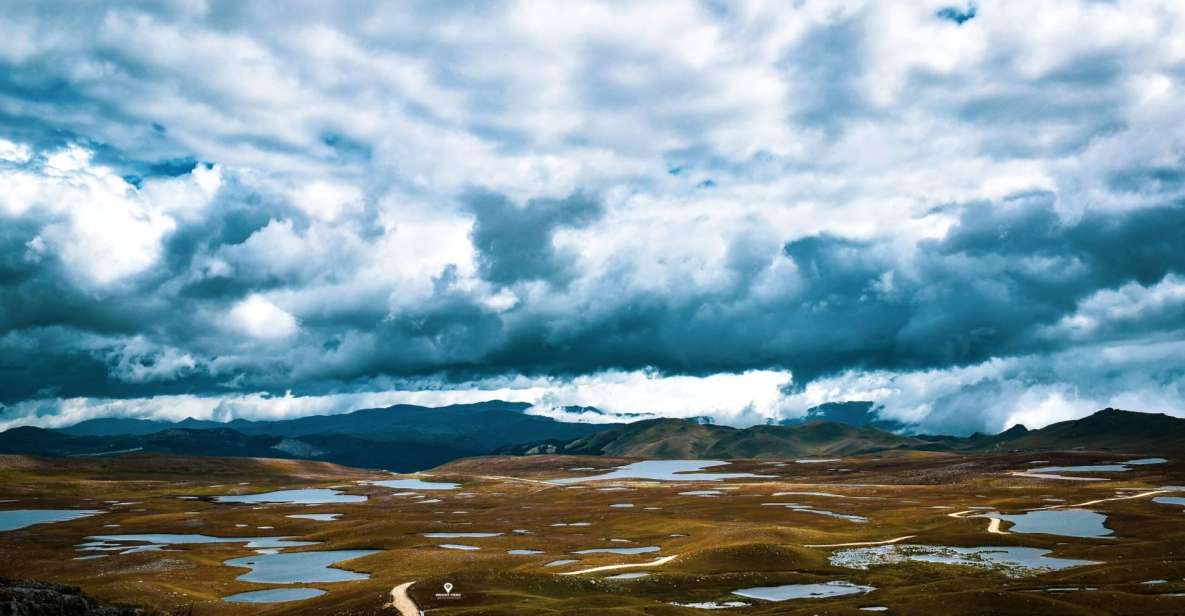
{"type": "Point", "coordinates": [1099, 468]}
{"type": "Point", "coordinates": [523, 552]}
{"type": "Point", "coordinates": [627, 576]}
{"type": "Point", "coordinates": [14, 519]}
{"type": "Point", "coordinates": [712, 605]}
{"type": "Point", "coordinates": [1063, 522]}
{"type": "Point", "coordinates": [185, 539]}
{"type": "Point", "coordinates": [459, 535]}
{"type": "Point", "coordinates": [1169, 500]}
{"type": "Point", "coordinates": [638, 550]}
{"type": "Point", "coordinates": [1012, 560]}
{"type": "Point", "coordinates": [275, 595]}
{"type": "Point", "coordinates": [306, 496]}
{"type": "Point", "coordinates": [663, 470]}
{"type": "Point", "coordinates": [317, 517]}
{"type": "Point", "coordinates": [299, 567]}
{"type": "Point", "coordinates": [458, 546]}
{"type": "Point", "coordinates": [859, 519]}
{"type": "Point", "coordinates": [803, 591]}
{"type": "Point", "coordinates": [416, 484]}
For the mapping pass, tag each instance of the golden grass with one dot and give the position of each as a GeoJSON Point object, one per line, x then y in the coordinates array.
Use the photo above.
{"type": "Point", "coordinates": [730, 542]}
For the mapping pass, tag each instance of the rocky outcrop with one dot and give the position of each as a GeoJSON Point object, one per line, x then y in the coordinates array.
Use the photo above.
{"type": "Point", "coordinates": [22, 598]}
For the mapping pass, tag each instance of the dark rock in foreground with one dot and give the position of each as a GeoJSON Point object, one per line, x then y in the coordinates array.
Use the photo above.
{"type": "Point", "coordinates": [22, 598]}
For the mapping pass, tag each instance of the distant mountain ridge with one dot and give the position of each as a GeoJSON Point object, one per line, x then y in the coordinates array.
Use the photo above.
{"type": "Point", "coordinates": [1106, 430]}
{"type": "Point", "coordinates": [409, 437]}
{"type": "Point", "coordinates": [401, 437]}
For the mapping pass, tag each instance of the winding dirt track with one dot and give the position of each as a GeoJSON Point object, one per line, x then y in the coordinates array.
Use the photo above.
{"type": "Point", "coordinates": [402, 602]}
{"type": "Point", "coordinates": [993, 523]}
{"type": "Point", "coordinates": [994, 527]}
{"type": "Point", "coordinates": [858, 543]}
{"type": "Point", "coordinates": [654, 563]}
{"type": "Point", "coordinates": [1114, 498]}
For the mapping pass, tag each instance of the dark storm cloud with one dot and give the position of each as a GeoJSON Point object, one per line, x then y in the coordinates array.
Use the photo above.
{"type": "Point", "coordinates": [514, 242]}
{"type": "Point", "coordinates": [1004, 271]}
{"type": "Point", "coordinates": [827, 61]}
{"type": "Point", "coordinates": [755, 181]}
{"type": "Point", "coordinates": [958, 15]}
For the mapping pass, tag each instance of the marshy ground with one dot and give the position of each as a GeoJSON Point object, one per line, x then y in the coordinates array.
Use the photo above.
{"type": "Point", "coordinates": [712, 537]}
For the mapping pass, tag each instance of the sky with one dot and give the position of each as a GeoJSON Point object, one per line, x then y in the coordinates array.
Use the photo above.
{"type": "Point", "coordinates": [971, 215]}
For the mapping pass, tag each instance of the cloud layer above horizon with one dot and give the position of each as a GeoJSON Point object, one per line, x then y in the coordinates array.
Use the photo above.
{"type": "Point", "coordinates": [972, 215]}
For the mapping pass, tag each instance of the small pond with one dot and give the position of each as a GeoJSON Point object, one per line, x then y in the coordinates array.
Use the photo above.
{"type": "Point", "coordinates": [859, 519]}
{"type": "Point", "coordinates": [416, 484]}
{"type": "Point", "coordinates": [459, 535]}
{"type": "Point", "coordinates": [15, 519]}
{"type": "Point", "coordinates": [1063, 522]}
{"type": "Point", "coordinates": [638, 550]}
{"type": "Point", "coordinates": [1169, 500]}
{"type": "Point", "coordinates": [663, 470]}
{"type": "Point", "coordinates": [306, 496]}
{"type": "Point", "coordinates": [627, 576]}
{"type": "Point", "coordinates": [803, 591]}
{"type": "Point", "coordinates": [299, 567]}
{"type": "Point", "coordinates": [316, 517]}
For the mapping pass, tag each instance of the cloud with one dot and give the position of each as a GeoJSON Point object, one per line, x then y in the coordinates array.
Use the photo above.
{"type": "Point", "coordinates": [98, 226]}
{"type": "Point", "coordinates": [742, 398]}
{"type": "Point", "coordinates": [139, 361]}
{"type": "Point", "coordinates": [957, 15]}
{"type": "Point", "coordinates": [259, 318]}
{"type": "Point", "coordinates": [1034, 390]}
{"type": "Point", "coordinates": [515, 243]}
{"type": "Point", "coordinates": [359, 198]}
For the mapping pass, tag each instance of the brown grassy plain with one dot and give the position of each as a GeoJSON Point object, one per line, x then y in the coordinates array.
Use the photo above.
{"type": "Point", "coordinates": [722, 543]}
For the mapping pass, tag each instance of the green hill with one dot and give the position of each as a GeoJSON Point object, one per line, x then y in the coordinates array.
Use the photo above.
{"type": "Point", "coordinates": [678, 438]}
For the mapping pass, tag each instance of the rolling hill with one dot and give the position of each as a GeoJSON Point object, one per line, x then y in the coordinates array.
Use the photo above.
{"type": "Point", "coordinates": [399, 438]}
{"type": "Point", "coordinates": [678, 438]}
{"type": "Point", "coordinates": [1106, 430]}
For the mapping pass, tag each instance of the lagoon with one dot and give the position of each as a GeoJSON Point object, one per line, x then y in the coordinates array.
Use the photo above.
{"type": "Point", "coordinates": [415, 484]}
{"type": "Point", "coordinates": [306, 496]}
{"type": "Point", "coordinates": [663, 470]}
{"type": "Point", "coordinates": [299, 567]}
{"type": "Point", "coordinates": [15, 519]}
{"type": "Point", "coordinates": [803, 591]}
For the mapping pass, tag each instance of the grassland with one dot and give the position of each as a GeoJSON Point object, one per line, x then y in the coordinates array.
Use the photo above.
{"type": "Point", "coordinates": [720, 543]}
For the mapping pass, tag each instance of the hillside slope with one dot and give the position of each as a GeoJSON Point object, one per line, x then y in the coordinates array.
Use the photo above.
{"type": "Point", "coordinates": [678, 438]}
{"type": "Point", "coordinates": [1106, 430]}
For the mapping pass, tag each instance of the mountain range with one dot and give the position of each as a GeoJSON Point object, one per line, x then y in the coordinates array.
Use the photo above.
{"type": "Point", "coordinates": [408, 438]}
{"type": "Point", "coordinates": [1105, 430]}
{"type": "Point", "coordinates": [401, 437]}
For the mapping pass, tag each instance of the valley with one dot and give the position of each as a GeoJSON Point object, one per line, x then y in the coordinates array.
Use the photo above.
{"type": "Point", "coordinates": [910, 531]}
